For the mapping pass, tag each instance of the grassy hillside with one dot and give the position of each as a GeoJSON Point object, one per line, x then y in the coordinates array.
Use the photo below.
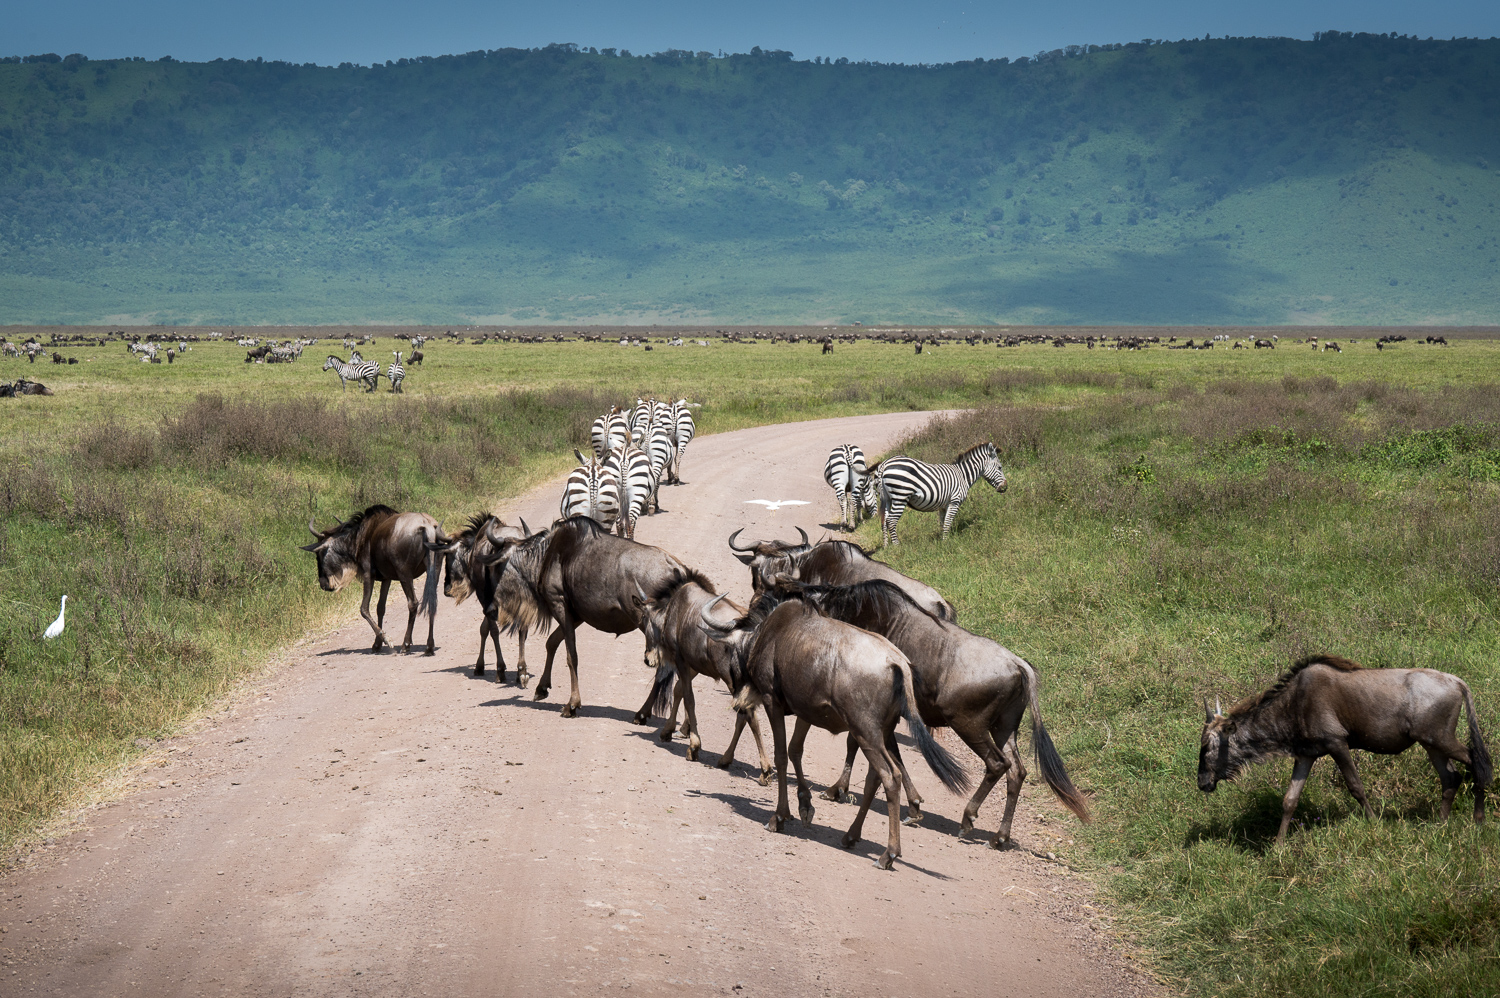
{"type": "Point", "coordinates": [1349, 179]}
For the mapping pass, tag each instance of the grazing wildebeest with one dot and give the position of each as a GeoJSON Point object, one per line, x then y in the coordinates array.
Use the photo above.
{"type": "Point", "coordinates": [674, 627]}
{"type": "Point", "coordinates": [381, 545]}
{"type": "Point", "coordinates": [963, 681]}
{"type": "Point", "coordinates": [1264, 345]}
{"type": "Point", "coordinates": [1326, 705]}
{"type": "Point", "coordinates": [794, 660]}
{"type": "Point", "coordinates": [832, 563]}
{"type": "Point", "coordinates": [467, 569]}
{"type": "Point", "coordinates": [589, 576]}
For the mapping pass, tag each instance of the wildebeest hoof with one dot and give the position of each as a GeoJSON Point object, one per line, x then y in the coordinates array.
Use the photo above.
{"type": "Point", "coordinates": [479, 671]}
{"type": "Point", "coordinates": [665, 734]}
{"type": "Point", "coordinates": [832, 793]}
{"type": "Point", "coordinates": [999, 842]}
{"type": "Point", "coordinates": [692, 754]}
{"type": "Point", "coordinates": [569, 710]}
{"type": "Point", "coordinates": [641, 717]}
{"type": "Point", "coordinates": [885, 860]}
{"type": "Point", "coordinates": [429, 653]}
{"type": "Point", "coordinates": [774, 825]}
{"type": "Point", "coordinates": [806, 813]}
{"type": "Point", "coordinates": [849, 840]}
{"type": "Point", "coordinates": [724, 761]}
{"type": "Point", "coordinates": [912, 819]}
{"type": "Point", "coordinates": [765, 777]}
{"type": "Point", "coordinates": [541, 693]}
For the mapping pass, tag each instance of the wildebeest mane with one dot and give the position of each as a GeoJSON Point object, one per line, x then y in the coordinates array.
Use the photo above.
{"type": "Point", "coordinates": [878, 596]}
{"type": "Point", "coordinates": [680, 577]}
{"type": "Point", "coordinates": [1258, 700]}
{"type": "Point", "coordinates": [351, 525]}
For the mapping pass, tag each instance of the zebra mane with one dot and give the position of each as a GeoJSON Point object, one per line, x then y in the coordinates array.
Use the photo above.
{"type": "Point", "coordinates": [972, 451]}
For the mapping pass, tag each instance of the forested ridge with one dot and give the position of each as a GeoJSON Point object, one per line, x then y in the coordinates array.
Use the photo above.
{"type": "Point", "coordinates": [1351, 178]}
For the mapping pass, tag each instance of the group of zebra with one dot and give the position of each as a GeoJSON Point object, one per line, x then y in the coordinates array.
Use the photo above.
{"type": "Point", "coordinates": [365, 372]}
{"type": "Point", "coordinates": [900, 482]}
{"type": "Point", "coordinates": [634, 454]}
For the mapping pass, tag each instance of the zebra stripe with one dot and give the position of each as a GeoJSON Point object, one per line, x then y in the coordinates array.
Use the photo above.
{"type": "Point", "coordinates": [640, 416]}
{"type": "Point", "coordinates": [846, 473]}
{"type": "Point", "coordinates": [660, 447]}
{"type": "Point", "coordinates": [396, 373]}
{"type": "Point", "coordinates": [686, 428]}
{"type": "Point", "coordinates": [592, 491]}
{"type": "Point", "coordinates": [632, 469]}
{"type": "Point", "coordinates": [358, 370]}
{"type": "Point", "coordinates": [905, 481]}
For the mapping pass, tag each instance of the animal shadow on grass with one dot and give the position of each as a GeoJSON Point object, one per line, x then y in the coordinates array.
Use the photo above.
{"type": "Point", "coordinates": [1254, 827]}
{"type": "Point", "coordinates": [824, 833]}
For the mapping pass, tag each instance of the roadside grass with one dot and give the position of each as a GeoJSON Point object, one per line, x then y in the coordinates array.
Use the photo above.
{"type": "Point", "coordinates": [1159, 548]}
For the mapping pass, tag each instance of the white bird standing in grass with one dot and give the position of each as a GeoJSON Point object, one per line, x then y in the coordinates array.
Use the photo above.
{"type": "Point", "coordinates": [56, 627]}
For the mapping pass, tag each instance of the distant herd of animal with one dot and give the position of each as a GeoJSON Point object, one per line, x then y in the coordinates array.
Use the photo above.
{"type": "Point", "coordinates": [839, 640]}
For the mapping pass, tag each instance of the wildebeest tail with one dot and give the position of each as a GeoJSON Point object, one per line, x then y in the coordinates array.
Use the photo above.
{"type": "Point", "coordinates": [1050, 763]}
{"type": "Point", "coordinates": [1479, 756]}
{"type": "Point", "coordinates": [661, 696]}
{"type": "Point", "coordinates": [430, 584]}
{"type": "Point", "coordinates": [939, 759]}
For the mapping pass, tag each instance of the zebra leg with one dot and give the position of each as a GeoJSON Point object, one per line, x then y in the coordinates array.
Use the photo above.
{"type": "Point", "coordinates": [888, 524]}
{"type": "Point", "coordinates": [949, 516]}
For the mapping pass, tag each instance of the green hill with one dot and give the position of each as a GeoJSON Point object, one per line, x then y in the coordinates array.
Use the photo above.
{"type": "Point", "coordinates": [1350, 179]}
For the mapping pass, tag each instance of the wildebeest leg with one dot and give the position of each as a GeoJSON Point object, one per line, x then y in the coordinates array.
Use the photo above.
{"type": "Point", "coordinates": [913, 799]}
{"type": "Point", "coordinates": [544, 684]}
{"type": "Point", "coordinates": [983, 744]}
{"type": "Point", "coordinates": [1289, 804]}
{"type": "Point", "coordinates": [841, 785]}
{"type": "Point", "coordinates": [522, 676]}
{"type": "Point", "coordinates": [1449, 777]}
{"type": "Point", "coordinates": [411, 615]}
{"type": "Point", "coordinates": [760, 746]}
{"type": "Point", "coordinates": [643, 716]}
{"type": "Point", "coordinates": [783, 813]}
{"type": "Point", "coordinates": [1351, 778]}
{"type": "Point", "coordinates": [484, 635]}
{"type": "Point", "coordinates": [882, 768]}
{"type": "Point", "coordinates": [570, 629]}
{"type": "Point", "coordinates": [1015, 778]}
{"type": "Point", "coordinates": [690, 716]}
{"type": "Point", "coordinates": [804, 792]}
{"type": "Point", "coordinates": [364, 611]}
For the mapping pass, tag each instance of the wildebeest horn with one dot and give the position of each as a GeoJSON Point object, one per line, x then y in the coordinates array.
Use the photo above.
{"type": "Point", "coordinates": [705, 608]}
{"type": "Point", "coordinates": [314, 530]}
{"type": "Point", "coordinates": [735, 547]}
{"type": "Point", "coordinates": [805, 541]}
{"type": "Point", "coordinates": [524, 529]}
{"type": "Point", "coordinates": [1208, 715]}
{"type": "Point", "coordinates": [1217, 709]}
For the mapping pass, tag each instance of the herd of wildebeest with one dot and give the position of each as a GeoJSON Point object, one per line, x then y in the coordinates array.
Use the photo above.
{"type": "Point", "coordinates": [842, 641]}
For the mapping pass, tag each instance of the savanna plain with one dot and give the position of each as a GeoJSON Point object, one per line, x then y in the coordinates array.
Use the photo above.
{"type": "Point", "coordinates": [1179, 525]}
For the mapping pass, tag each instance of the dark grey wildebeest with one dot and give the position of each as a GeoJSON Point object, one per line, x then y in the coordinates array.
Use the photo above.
{"type": "Point", "coordinates": [687, 649]}
{"type": "Point", "coordinates": [963, 681]}
{"type": "Point", "coordinates": [468, 569]}
{"type": "Point", "coordinates": [589, 576]}
{"type": "Point", "coordinates": [831, 563]}
{"type": "Point", "coordinates": [384, 546]}
{"type": "Point", "coordinates": [1326, 705]}
{"type": "Point", "coordinates": [792, 659]}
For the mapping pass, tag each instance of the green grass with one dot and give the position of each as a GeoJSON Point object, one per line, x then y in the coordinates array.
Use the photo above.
{"type": "Point", "coordinates": [1164, 546]}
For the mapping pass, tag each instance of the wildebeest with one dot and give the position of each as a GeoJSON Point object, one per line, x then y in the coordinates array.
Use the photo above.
{"type": "Point", "coordinates": [794, 660]}
{"type": "Point", "coordinates": [468, 569]}
{"type": "Point", "coordinates": [832, 563]}
{"type": "Point", "coordinates": [686, 648]}
{"type": "Point", "coordinates": [589, 576]}
{"type": "Point", "coordinates": [381, 545]}
{"type": "Point", "coordinates": [1326, 705]}
{"type": "Point", "coordinates": [964, 681]}
{"type": "Point", "coordinates": [1264, 345]}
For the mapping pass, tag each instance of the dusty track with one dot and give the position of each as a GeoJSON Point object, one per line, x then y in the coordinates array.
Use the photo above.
{"type": "Point", "coordinates": [393, 826]}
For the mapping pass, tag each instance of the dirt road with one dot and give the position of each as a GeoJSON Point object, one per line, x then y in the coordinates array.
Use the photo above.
{"type": "Point", "coordinates": [387, 825]}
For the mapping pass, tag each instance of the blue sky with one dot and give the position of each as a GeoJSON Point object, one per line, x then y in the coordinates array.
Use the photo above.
{"type": "Point", "coordinates": [333, 31]}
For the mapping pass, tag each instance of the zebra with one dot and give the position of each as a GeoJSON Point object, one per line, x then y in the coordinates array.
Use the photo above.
{"type": "Point", "coordinates": [661, 447]}
{"type": "Point", "coordinates": [607, 433]}
{"type": "Point", "coordinates": [396, 373]}
{"type": "Point", "coordinates": [362, 371]}
{"type": "Point", "coordinates": [904, 481]}
{"type": "Point", "coordinates": [618, 433]}
{"type": "Point", "coordinates": [686, 428]}
{"type": "Point", "coordinates": [640, 416]}
{"type": "Point", "coordinates": [632, 469]}
{"type": "Point", "coordinates": [593, 490]}
{"type": "Point", "coordinates": [847, 474]}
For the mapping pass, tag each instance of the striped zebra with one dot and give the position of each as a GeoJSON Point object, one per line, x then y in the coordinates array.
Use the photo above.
{"type": "Point", "coordinates": [357, 370]}
{"type": "Point", "coordinates": [848, 476]}
{"type": "Point", "coordinates": [599, 435]}
{"type": "Point", "coordinates": [661, 446]}
{"type": "Point", "coordinates": [618, 433]}
{"type": "Point", "coordinates": [632, 469]}
{"type": "Point", "coordinates": [592, 491]}
{"type": "Point", "coordinates": [396, 373]}
{"type": "Point", "coordinates": [905, 481]}
{"type": "Point", "coordinates": [686, 428]}
{"type": "Point", "coordinates": [640, 416]}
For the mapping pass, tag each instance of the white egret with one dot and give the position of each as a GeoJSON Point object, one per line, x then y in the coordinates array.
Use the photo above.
{"type": "Point", "coordinates": [56, 627]}
{"type": "Point", "coordinates": [778, 503]}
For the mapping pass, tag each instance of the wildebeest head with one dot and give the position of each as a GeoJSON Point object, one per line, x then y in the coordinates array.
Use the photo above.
{"type": "Point", "coordinates": [1216, 757]}
{"type": "Point", "coordinates": [335, 547]}
{"type": "Point", "coordinates": [767, 559]}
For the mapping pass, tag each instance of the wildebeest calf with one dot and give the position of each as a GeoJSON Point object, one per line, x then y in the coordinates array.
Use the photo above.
{"type": "Point", "coordinates": [1328, 705]}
